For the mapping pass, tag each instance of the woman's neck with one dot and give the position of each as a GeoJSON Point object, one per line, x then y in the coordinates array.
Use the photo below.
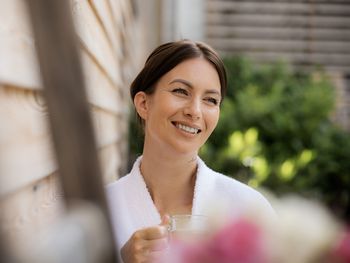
{"type": "Point", "coordinates": [170, 180]}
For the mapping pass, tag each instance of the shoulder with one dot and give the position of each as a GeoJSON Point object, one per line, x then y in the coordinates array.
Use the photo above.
{"type": "Point", "coordinates": [120, 183]}
{"type": "Point", "coordinates": [116, 192]}
{"type": "Point", "coordinates": [121, 186]}
{"type": "Point", "coordinates": [224, 183]}
{"type": "Point", "coordinates": [235, 192]}
{"type": "Point", "coordinates": [231, 185]}
{"type": "Point", "coordinates": [238, 190]}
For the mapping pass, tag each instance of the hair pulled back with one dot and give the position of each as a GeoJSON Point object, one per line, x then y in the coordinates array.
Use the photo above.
{"type": "Point", "coordinates": [167, 56]}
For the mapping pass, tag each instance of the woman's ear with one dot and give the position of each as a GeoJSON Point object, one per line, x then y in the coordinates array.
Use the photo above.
{"type": "Point", "coordinates": [140, 102]}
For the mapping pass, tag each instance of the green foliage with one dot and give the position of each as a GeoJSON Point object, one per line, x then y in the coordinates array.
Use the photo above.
{"type": "Point", "coordinates": [274, 131]}
{"type": "Point", "coordinates": [135, 136]}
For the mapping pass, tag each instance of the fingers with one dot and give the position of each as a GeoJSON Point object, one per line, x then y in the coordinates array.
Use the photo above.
{"type": "Point", "coordinates": [165, 220]}
{"type": "Point", "coordinates": [151, 233]}
{"type": "Point", "coordinates": [146, 245]}
{"type": "Point", "coordinates": [156, 244]}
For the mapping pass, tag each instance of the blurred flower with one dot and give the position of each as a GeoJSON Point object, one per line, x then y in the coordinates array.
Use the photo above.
{"type": "Point", "coordinates": [303, 232]}
{"type": "Point", "coordinates": [342, 249]}
{"type": "Point", "coordinates": [238, 242]}
{"type": "Point", "coordinates": [304, 229]}
{"type": "Point", "coordinates": [241, 242]}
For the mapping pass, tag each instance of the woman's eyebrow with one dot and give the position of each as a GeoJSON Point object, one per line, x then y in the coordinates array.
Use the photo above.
{"type": "Point", "coordinates": [185, 82]}
{"type": "Point", "coordinates": [213, 91]}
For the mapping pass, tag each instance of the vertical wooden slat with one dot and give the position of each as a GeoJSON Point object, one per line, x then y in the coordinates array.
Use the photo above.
{"type": "Point", "coordinates": [5, 256]}
{"type": "Point", "coordinates": [3, 252]}
{"type": "Point", "coordinates": [64, 92]}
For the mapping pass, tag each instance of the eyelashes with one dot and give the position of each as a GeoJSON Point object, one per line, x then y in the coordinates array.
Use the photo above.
{"type": "Point", "coordinates": [184, 92]}
{"type": "Point", "coordinates": [180, 91]}
{"type": "Point", "coordinates": [213, 101]}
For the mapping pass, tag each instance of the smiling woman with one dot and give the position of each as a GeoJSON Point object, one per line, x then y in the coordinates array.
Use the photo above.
{"type": "Point", "coordinates": [177, 97]}
{"type": "Point", "coordinates": [181, 113]}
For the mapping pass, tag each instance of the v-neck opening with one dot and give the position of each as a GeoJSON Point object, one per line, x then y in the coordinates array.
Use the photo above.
{"type": "Point", "coordinates": [148, 195]}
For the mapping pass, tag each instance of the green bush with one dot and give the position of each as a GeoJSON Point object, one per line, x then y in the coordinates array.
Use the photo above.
{"type": "Point", "coordinates": [275, 131]}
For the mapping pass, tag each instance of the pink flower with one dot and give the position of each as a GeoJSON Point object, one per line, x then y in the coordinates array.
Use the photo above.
{"type": "Point", "coordinates": [342, 251]}
{"type": "Point", "coordinates": [239, 242]}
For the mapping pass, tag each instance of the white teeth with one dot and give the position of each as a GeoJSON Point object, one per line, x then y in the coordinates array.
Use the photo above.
{"type": "Point", "coordinates": [187, 129]}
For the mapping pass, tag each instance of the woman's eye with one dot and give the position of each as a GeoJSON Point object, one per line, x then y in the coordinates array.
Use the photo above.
{"type": "Point", "coordinates": [180, 91]}
{"type": "Point", "coordinates": [212, 101]}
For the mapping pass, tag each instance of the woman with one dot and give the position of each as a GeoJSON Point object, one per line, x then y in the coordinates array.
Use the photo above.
{"type": "Point", "coordinates": [177, 97]}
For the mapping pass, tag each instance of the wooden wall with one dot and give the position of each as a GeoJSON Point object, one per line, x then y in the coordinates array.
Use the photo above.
{"type": "Point", "coordinates": [305, 33]}
{"type": "Point", "coordinates": [30, 195]}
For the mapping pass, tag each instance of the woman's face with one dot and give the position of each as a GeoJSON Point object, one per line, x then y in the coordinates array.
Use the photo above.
{"type": "Point", "coordinates": [184, 109]}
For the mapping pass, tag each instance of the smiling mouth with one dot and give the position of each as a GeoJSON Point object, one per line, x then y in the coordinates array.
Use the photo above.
{"type": "Point", "coordinates": [185, 128]}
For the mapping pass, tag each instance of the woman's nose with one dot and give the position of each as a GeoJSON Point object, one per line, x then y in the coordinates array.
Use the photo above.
{"type": "Point", "coordinates": [193, 109]}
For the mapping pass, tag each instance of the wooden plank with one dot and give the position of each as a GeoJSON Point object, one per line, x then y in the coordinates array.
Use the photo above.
{"type": "Point", "coordinates": [106, 127]}
{"type": "Point", "coordinates": [118, 19]}
{"type": "Point", "coordinates": [128, 21]}
{"type": "Point", "coordinates": [102, 92]}
{"type": "Point", "coordinates": [328, 68]}
{"type": "Point", "coordinates": [300, 58]}
{"type": "Point", "coordinates": [93, 38]}
{"type": "Point", "coordinates": [122, 14]}
{"type": "Point", "coordinates": [278, 33]}
{"type": "Point", "coordinates": [269, 7]}
{"type": "Point", "coordinates": [301, 32]}
{"type": "Point", "coordinates": [238, 45]}
{"type": "Point", "coordinates": [117, 14]}
{"type": "Point", "coordinates": [296, 57]}
{"type": "Point", "coordinates": [345, 2]}
{"type": "Point", "coordinates": [299, 66]}
{"type": "Point", "coordinates": [26, 152]}
{"type": "Point", "coordinates": [127, 12]}
{"type": "Point", "coordinates": [18, 64]}
{"type": "Point", "coordinates": [123, 20]}
{"type": "Point", "coordinates": [259, 20]}
{"type": "Point", "coordinates": [111, 161]}
{"type": "Point", "coordinates": [131, 51]}
{"type": "Point", "coordinates": [104, 13]}
{"type": "Point", "coordinates": [29, 212]}
{"type": "Point", "coordinates": [330, 62]}
{"type": "Point", "coordinates": [113, 157]}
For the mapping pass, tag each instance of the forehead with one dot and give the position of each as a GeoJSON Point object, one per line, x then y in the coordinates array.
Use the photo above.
{"type": "Point", "coordinates": [197, 71]}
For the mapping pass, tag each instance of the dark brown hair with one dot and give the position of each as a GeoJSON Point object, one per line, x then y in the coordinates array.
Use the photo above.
{"type": "Point", "coordinates": [167, 56]}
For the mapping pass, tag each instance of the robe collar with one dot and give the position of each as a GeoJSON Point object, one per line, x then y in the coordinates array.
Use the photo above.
{"type": "Point", "coordinates": [202, 191]}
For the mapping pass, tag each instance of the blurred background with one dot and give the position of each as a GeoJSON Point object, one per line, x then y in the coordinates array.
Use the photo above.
{"type": "Point", "coordinates": [284, 124]}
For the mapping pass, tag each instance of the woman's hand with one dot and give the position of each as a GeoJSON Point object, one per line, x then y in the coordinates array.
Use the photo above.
{"type": "Point", "coordinates": [146, 245]}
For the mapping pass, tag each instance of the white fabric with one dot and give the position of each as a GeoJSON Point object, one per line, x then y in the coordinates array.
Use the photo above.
{"type": "Point", "coordinates": [132, 207]}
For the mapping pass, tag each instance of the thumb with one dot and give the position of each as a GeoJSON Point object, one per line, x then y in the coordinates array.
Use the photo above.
{"type": "Point", "coordinates": [165, 220]}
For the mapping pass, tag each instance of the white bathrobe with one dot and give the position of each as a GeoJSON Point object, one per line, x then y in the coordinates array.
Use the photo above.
{"type": "Point", "coordinates": [132, 208]}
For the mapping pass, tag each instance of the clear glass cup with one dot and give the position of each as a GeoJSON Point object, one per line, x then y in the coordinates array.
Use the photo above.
{"type": "Point", "coordinates": [188, 227]}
